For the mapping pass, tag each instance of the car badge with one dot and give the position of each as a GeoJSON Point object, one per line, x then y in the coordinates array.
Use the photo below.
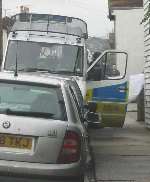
{"type": "Point", "coordinates": [6, 124]}
{"type": "Point", "coordinates": [52, 133]}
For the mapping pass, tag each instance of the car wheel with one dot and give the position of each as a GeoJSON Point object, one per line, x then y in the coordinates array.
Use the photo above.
{"type": "Point", "coordinates": [89, 174]}
{"type": "Point", "coordinates": [84, 178]}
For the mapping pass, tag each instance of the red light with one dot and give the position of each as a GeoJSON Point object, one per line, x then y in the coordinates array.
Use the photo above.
{"type": "Point", "coordinates": [71, 148]}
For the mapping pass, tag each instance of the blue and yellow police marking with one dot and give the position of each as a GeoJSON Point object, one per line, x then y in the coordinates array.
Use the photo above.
{"type": "Point", "coordinates": [111, 103]}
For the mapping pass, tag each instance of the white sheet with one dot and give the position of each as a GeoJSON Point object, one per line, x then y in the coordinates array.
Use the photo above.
{"type": "Point", "coordinates": [136, 84]}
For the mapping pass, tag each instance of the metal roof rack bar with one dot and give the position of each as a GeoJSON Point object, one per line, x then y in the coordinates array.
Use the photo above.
{"type": "Point", "coordinates": [50, 23]}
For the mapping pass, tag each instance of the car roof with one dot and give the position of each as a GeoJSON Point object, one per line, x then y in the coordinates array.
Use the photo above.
{"type": "Point", "coordinates": [39, 77]}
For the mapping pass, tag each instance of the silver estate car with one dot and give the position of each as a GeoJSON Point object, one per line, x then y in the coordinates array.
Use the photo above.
{"type": "Point", "coordinates": [42, 132]}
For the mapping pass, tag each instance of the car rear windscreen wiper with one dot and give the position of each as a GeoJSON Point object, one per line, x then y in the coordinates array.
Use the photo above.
{"type": "Point", "coordinates": [26, 113]}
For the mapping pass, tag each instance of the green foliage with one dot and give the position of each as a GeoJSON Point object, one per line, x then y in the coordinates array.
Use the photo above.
{"type": "Point", "coordinates": [7, 23]}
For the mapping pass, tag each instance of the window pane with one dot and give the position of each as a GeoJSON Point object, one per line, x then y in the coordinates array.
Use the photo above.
{"type": "Point", "coordinates": [115, 65]}
{"type": "Point", "coordinates": [32, 99]}
{"type": "Point", "coordinates": [52, 57]}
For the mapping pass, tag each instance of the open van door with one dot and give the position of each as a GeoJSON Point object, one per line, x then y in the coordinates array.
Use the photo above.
{"type": "Point", "coordinates": [107, 87]}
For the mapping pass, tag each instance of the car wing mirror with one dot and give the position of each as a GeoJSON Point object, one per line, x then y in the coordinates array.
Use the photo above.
{"type": "Point", "coordinates": [93, 120]}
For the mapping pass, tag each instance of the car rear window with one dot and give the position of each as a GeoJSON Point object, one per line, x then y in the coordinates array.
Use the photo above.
{"type": "Point", "coordinates": [32, 100]}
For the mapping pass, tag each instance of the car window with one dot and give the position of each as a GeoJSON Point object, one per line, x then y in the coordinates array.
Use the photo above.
{"type": "Point", "coordinates": [32, 100]}
{"type": "Point", "coordinates": [77, 104]}
{"type": "Point", "coordinates": [78, 93]}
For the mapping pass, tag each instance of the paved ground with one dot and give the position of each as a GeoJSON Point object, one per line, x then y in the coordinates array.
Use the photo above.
{"type": "Point", "coordinates": [122, 154]}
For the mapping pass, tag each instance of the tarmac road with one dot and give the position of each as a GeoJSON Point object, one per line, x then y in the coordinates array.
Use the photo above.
{"type": "Point", "coordinates": [122, 154]}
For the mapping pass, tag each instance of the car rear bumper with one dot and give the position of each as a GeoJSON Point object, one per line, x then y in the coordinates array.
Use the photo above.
{"type": "Point", "coordinates": [53, 172]}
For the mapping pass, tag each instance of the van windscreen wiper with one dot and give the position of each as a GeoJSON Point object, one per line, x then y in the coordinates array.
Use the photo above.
{"type": "Point", "coordinates": [34, 70]}
{"type": "Point", "coordinates": [65, 72]}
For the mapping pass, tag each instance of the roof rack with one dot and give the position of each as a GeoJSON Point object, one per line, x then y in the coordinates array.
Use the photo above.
{"type": "Point", "coordinates": [50, 23]}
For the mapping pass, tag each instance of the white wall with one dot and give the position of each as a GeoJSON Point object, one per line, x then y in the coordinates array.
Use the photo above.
{"type": "Point", "coordinates": [147, 66]}
{"type": "Point", "coordinates": [130, 37]}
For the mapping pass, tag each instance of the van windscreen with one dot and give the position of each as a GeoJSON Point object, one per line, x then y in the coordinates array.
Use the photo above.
{"type": "Point", "coordinates": [55, 58]}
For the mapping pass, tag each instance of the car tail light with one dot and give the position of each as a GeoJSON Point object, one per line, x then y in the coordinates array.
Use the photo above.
{"type": "Point", "coordinates": [71, 148]}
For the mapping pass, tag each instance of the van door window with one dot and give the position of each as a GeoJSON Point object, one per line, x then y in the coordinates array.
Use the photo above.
{"type": "Point", "coordinates": [111, 65]}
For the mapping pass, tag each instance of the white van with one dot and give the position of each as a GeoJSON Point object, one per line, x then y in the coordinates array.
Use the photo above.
{"type": "Point", "coordinates": [56, 44]}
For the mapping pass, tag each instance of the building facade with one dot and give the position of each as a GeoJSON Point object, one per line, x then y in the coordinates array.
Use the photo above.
{"type": "Point", "coordinates": [129, 35]}
{"type": "Point", "coordinates": [147, 63]}
{"type": "Point", "coordinates": [125, 3]}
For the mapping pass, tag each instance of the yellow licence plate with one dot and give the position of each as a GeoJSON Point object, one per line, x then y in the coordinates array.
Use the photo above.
{"type": "Point", "coordinates": [14, 141]}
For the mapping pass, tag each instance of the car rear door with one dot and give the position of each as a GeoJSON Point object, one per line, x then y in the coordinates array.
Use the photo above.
{"type": "Point", "coordinates": [78, 106]}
